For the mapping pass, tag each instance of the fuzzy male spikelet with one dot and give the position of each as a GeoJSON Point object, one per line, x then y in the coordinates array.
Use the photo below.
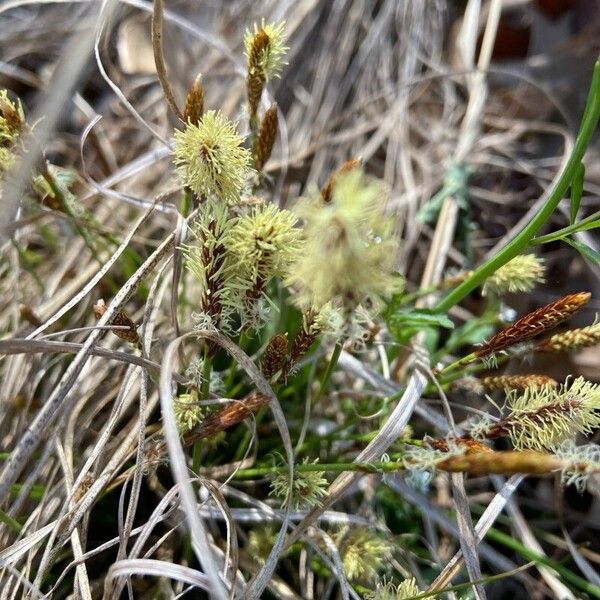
{"type": "Point", "coordinates": [194, 102]}
{"type": "Point", "coordinates": [264, 49]}
{"type": "Point", "coordinates": [515, 382]}
{"type": "Point", "coordinates": [388, 591]}
{"type": "Point", "coordinates": [263, 245]}
{"type": "Point", "coordinates": [541, 418]}
{"type": "Point", "coordinates": [349, 247]}
{"type": "Point", "coordinates": [535, 323]}
{"type": "Point", "coordinates": [573, 339]}
{"type": "Point", "coordinates": [188, 413]}
{"type": "Point", "coordinates": [12, 120]}
{"type": "Point", "coordinates": [521, 274]}
{"type": "Point", "coordinates": [308, 490]}
{"type": "Point", "coordinates": [364, 553]}
{"type": "Point", "coordinates": [266, 138]}
{"type": "Point", "coordinates": [209, 260]}
{"type": "Point", "coordinates": [210, 158]}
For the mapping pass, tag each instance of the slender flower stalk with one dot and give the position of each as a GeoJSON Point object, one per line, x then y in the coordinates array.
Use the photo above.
{"type": "Point", "coordinates": [573, 339]}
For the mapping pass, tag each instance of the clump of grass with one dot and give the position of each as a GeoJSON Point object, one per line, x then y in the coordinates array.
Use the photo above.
{"type": "Point", "coordinates": [259, 269]}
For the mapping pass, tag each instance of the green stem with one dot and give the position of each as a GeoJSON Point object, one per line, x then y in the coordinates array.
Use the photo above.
{"type": "Point", "coordinates": [368, 467]}
{"type": "Point", "coordinates": [204, 393]}
{"type": "Point", "coordinates": [566, 574]}
{"type": "Point", "coordinates": [337, 350]}
{"type": "Point", "coordinates": [587, 223]}
{"type": "Point", "coordinates": [522, 239]}
{"type": "Point", "coordinates": [10, 522]}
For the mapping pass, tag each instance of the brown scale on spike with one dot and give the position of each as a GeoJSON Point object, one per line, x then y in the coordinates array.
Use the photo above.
{"type": "Point", "coordinates": [535, 323]}
{"type": "Point", "coordinates": [349, 165]}
{"type": "Point", "coordinates": [266, 138]}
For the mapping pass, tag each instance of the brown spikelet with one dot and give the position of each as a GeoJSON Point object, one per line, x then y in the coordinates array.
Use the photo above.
{"type": "Point", "coordinates": [535, 323]}
{"type": "Point", "coordinates": [516, 382]}
{"type": "Point", "coordinates": [573, 339]}
{"type": "Point", "coordinates": [301, 343]}
{"type": "Point", "coordinates": [194, 102]}
{"type": "Point", "coordinates": [28, 315]}
{"type": "Point", "coordinates": [487, 463]}
{"type": "Point", "coordinates": [228, 416]}
{"type": "Point", "coordinates": [120, 320]}
{"type": "Point", "coordinates": [266, 138]}
{"type": "Point", "coordinates": [255, 81]}
{"type": "Point", "coordinates": [470, 445]}
{"type": "Point", "coordinates": [349, 165]}
{"type": "Point", "coordinates": [275, 355]}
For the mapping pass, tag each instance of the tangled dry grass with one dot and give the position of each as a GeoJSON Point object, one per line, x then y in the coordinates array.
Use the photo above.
{"type": "Point", "coordinates": [104, 496]}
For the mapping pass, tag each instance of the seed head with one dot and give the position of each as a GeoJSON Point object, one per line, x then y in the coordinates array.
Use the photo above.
{"type": "Point", "coordinates": [264, 243]}
{"type": "Point", "coordinates": [535, 323]}
{"type": "Point", "coordinates": [12, 120]}
{"type": "Point", "coordinates": [308, 490]}
{"type": "Point", "coordinates": [521, 274]}
{"type": "Point", "coordinates": [581, 462]}
{"type": "Point", "coordinates": [541, 418]}
{"type": "Point", "coordinates": [349, 248]}
{"type": "Point", "coordinates": [188, 413]}
{"type": "Point", "coordinates": [573, 339]}
{"type": "Point", "coordinates": [364, 553]}
{"type": "Point", "coordinates": [265, 48]}
{"type": "Point", "coordinates": [388, 591]}
{"type": "Point", "coordinates": [210, 158]}
{"type": "Point", "coordinates": [275, 355]}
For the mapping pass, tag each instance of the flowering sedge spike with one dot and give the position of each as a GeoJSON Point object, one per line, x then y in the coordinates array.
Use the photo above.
{"type": "Point", "coordinates": [265, 140]}
{"type": "Point", "coordinates": [120, 320]}
{"type": "Point", "coordinates": [275, 355]}
{"type": "Point", "coordinates": [521, 274]}
{"type": "Point", "coordinates": [210, 158]}
{"type": "Point", "coordinates": [388, 591]}
{"type": "Point", "coordinates": [194, 102]}
{"type": "Point", "coordinates": [364, 553]}
{"type": "Point", "coordinates": [210, 262]}
{"type": "Point", "coordinates": [260, 542]}
{"type": "Point", "coordinates": [504, 462]}
{"type": "Point", "coordinates": [516, 382]}
{"type": "Point", "coordinates": [308, 489]}
{"type": "Point", "coordinates": [535, 323]}
{"type": "Point", "coordinates": [541, 418]}
{"type": "Point", "coordinates": [263, 245]}
{"type": "Point", "coordinates": [349, 247]}
{"type": "Point", "coordinates": [188, 413]}
{"type": "Point", "coordinates": [231, 414]}
{"type": "Point", "coordinates": [12, 120]}
{"type": "Point", "coordinates": [573, 339]}
{"type": "Point", "coordinates": [349, 165]}
{"type": "Point", "coordinates": [264, 49]}
{"type": "Point", "coordinates": [463, 444]}
{"type": "Point", "coordinates": [303, 340]}
{"type": "Point", "coordinates": [580, 463]}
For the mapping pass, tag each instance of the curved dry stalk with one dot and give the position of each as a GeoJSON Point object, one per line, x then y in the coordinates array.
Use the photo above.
{"type": "Point", "coordinates": [159, 58]}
